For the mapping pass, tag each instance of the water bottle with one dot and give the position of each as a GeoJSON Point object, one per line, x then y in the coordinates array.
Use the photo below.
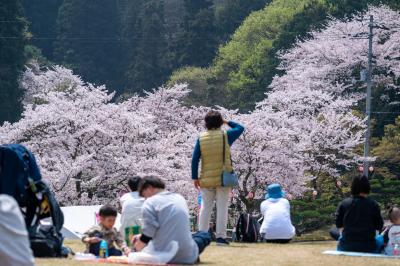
{"type": "Point", "coordinates": [396, 249]}
{"type": "Point", "coordinates": [103, 252]}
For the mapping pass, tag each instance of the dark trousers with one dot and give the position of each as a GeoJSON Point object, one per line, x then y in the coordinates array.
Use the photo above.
{"type": "Point", "coordinates": [202, 240]}
{"type": "Point", "coordinates": [370, 247]}
{"type": "Point", "coordinates": [95, 250]}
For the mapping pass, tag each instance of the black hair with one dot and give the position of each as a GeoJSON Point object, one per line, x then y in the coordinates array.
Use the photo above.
{"type": "Point", "coordinates": [150, 181]}
{"type": "Point", "coordinates": [108, 210]}
{"type": "Point", "coordinates": [360, 184]}
{"type": "Point", "coordinates": [133, 183]}
{"type": "Point", "coordinates": [213, 120]}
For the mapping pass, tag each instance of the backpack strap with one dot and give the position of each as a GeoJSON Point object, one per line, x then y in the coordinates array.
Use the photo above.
{"type": "Point", "coordinates": [352, 204]}
{"type": "Point", "coordinates": [238, 224]}
{"type": "Point", "coordinates": [247, 223]}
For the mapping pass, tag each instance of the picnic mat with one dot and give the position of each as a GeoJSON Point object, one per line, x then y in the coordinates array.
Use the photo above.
{"type": "Point", "coordinates": [120, 260]}
{"type": "Point", "coordinates": [358, 254]}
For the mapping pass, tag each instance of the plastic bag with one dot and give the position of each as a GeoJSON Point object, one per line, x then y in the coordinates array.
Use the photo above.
{"type": "Point", "coordinates": [150, 256]}
{"type": "Point", "coordinates": [84, 256]}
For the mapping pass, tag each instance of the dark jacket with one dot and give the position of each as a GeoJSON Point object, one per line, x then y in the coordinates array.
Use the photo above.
{"type": "Point", "coordinates": [359, 217]}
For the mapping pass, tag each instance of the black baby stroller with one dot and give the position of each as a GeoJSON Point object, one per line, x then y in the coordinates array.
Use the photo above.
{"type": "Point", "coordinates": [20, 178]}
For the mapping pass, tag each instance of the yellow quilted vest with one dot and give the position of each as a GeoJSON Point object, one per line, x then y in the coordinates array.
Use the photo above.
{"type": "Point", "coordinates": [211, 158]}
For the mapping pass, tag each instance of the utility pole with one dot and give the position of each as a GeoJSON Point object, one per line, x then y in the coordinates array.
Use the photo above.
{"type": "Point", "coordinates": [368, 100]}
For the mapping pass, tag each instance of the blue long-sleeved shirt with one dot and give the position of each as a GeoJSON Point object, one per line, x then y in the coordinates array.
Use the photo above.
{"type": "Point", "coordinates": [233, 134]}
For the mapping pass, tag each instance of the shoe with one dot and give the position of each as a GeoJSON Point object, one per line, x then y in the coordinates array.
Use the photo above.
{"type": "Point", "coordinates": [222, 242]}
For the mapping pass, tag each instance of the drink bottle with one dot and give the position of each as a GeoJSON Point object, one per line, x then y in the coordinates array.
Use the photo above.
{"type": "Point", "coordinates": [103, 252]}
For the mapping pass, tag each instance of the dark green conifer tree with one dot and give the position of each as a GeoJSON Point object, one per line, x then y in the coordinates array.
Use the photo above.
{"type": "Point", "coordinates": [89, 40]}
{"type": "Point", "coordinates": [198, 42]}
{"type": "Point", "coordinates": [12, 58]}
{"type": "Point", "coordinates": [42, 17]}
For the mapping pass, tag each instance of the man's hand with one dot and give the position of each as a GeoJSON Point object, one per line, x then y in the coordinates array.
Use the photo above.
{"type": "Point", "coordinates": [138, 245]}
{"type": "Point", "coordinates": [196, 183]}
{"type": "Point", "coordinates": [92, 240]}
{"type": "Point", "coordinates": [225, 121]}
{"type": "Point", "coordinates": [127, 251]}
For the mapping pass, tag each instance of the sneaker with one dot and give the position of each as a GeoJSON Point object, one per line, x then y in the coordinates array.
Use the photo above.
{"type": "Point", "coordinates": [222, 242]}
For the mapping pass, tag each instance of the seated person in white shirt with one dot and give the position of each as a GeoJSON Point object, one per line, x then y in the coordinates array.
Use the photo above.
{"type": "Point", "coordinates": [14, 241]}
{"type": "Point", "coordinates": [277, 226]}
{"type": "Point", "coordinates": [131, 206]}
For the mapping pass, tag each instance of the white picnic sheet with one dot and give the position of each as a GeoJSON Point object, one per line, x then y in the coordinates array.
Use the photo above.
{"type": "Point", "coordinates": [358, 254]}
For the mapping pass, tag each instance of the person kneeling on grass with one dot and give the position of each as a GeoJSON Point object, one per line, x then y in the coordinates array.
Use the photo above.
{"type": "Point", "coordinates": [358, 218]}
{"type": "Point", "coordinates": [105, 231]}
{"type": "Point", "coordinates": [166, 219]}
{"type": "Point", "coordinates": [277, 226]}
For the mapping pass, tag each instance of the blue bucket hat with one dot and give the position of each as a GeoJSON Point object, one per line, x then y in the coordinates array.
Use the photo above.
{"type": "Point", "coordinates": [274, 191]}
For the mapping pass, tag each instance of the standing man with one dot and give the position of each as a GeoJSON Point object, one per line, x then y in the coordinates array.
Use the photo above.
{"type": "Point", "coordinates": [209, 147]}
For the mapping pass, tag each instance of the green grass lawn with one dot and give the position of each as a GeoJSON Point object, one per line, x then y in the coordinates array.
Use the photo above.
{"type": "Point", "coordinates": [296, 254]}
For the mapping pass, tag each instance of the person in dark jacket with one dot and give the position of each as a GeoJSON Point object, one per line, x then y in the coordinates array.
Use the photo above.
{"type": "Point", "coordinates": [358, 218]}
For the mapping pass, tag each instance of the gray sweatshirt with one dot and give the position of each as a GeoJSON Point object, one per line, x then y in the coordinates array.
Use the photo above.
{"type": "Point", "coordinates": [166, 218]}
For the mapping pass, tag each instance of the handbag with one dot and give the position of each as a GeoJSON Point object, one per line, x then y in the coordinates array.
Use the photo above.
{"type": "Point", "coordinates": [228, 179]}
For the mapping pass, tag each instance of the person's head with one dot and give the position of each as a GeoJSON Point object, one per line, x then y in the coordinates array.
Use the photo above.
{"type": "Point", "coordinates": [274, 191]}
{"type": "Point", "coordinates": [394, 215]}
{"type": "Point", "coordinates": [108, 215]}
{"type": "Point", "coordinates": [133, 183]}
{"type": "Point", "coordinates": [360, 186]}
{"type": "Point", "coordinates": [213, 120]}
{"type": "Point", "coordinates": [150, 185]}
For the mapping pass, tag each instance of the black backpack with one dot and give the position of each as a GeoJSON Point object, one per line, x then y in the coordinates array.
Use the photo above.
{"type": "Point", "coordinates": [20, 178]}
{"type": "Point", "coordinates": [247, 228]}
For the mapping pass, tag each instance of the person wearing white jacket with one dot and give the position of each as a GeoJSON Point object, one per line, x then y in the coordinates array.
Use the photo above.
{"type": "Point", "coordinates": [131, 203]}
{"type": "Point", "coordinates": [14, 242]}
{"type": "Point", "coordinates": [277, 226]}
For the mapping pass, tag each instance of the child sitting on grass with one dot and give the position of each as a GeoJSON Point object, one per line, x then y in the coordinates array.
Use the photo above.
{"type": "Point", "coordinates": [391, 235]}
{"type": "Point", "coordinates": [105, 231]}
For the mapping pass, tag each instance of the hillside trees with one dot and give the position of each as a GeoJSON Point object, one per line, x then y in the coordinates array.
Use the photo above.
{"type": "Point", "coordinates": [148, 68]}
{"type": "Point", "coordinates": [198, 41]}
{"type": "Point", "coordinates": [12, 59]}
{"type": "Point", "coordinates": [386, 179]}
{"type": "Point", "coordinates": [42, 18]}
{"type": "Point", "coordinates": [246, 65]}
{"type": "Point", "coordinates": [89, 41]}
{"type": "Point", "coordinates": [229, 14]}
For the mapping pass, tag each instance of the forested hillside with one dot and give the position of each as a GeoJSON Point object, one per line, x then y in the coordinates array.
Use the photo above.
{"type": "Point", "coordinates": [244, 67]}
{"type": "Point", "coordinates": [133, 45]}
{"type": "Point", "coordinates": [12, 59]}
{"type": "Point", "coordinates": [225, 49]}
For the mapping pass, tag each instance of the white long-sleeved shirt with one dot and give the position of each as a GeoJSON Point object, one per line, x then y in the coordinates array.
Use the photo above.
{"type": "Point", "coordinates": [277, 223]}
{"type": "Point", "coordinates": [14, 241]}
{"type": "Point", "coordinates": [131, 210]}
{"type": "Point", "coordinates": [166, 218]}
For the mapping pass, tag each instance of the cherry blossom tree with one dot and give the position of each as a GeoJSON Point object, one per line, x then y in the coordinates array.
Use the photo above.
{"type": "Point", "coordinates": [87, 144]}
{"type": "Point", "coordinates": [320, 88]}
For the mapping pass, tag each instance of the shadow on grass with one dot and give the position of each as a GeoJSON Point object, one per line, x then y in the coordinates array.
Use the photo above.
{"type": "Point", "coordinates": [313, 242]}
{"type": "Point", "coordinates": [234, 245]}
